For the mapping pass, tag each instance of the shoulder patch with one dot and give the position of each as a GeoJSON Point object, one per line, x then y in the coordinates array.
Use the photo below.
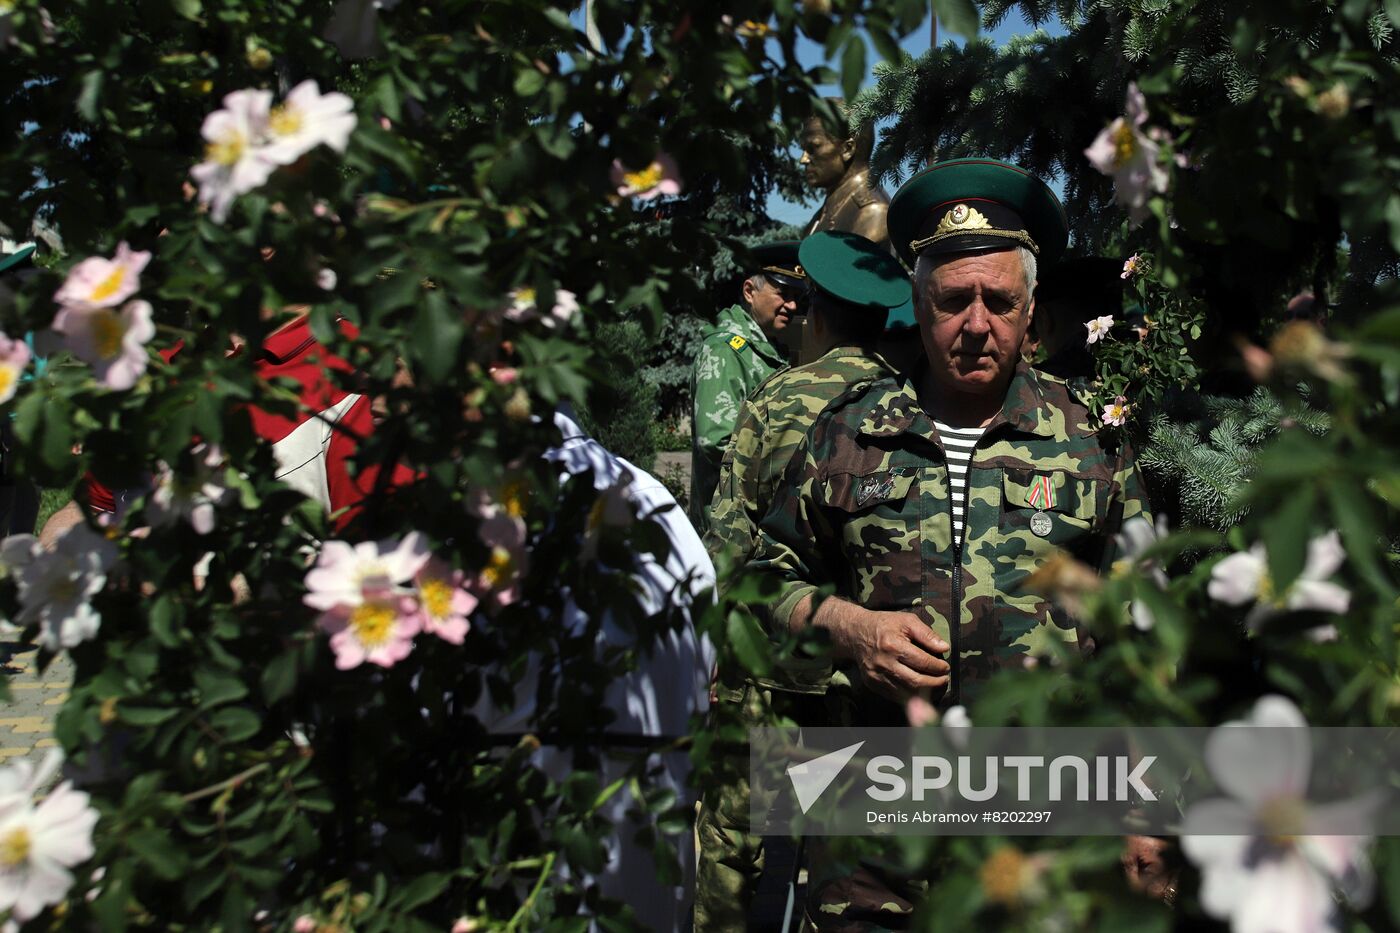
{"type": "Point", "coordinates": [737, 342]}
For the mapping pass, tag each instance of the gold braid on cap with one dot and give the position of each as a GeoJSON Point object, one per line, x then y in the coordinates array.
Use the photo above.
{"type": "Point", "coordinates": [796, 272]}
{"type": "Point", "coordinates": [962, 221]}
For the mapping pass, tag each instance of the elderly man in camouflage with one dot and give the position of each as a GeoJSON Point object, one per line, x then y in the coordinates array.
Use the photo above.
{"type": "Point", "coordinates": [927, 501]}
{"type": "Point", "coordinates": [735, 356]}
{"type": "Point", "coordinates": [854, 285]}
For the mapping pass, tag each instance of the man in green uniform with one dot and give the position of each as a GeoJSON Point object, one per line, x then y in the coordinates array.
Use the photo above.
{"type": "Point", "coordinates": [929, 499]}
{"type": "Point", "coordinates": [854, 285]}
{"type": "Point", "coordinates": [734, 357]}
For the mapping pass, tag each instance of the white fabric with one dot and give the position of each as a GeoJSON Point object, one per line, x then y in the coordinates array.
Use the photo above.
{"type": "Point", "coordinates": [656, 700]}
{"type": "Point", "coordinates": [301, 455]}
{"type": "Point", "coordinates": [958, 443]}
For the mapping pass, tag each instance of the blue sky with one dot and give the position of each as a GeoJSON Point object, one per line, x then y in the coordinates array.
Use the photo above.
{"type": "Point", "coordinates": [811, 54]}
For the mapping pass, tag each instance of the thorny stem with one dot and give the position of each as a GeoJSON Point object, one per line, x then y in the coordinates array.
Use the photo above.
{"type": "Point", "coordinates": [224, 785]}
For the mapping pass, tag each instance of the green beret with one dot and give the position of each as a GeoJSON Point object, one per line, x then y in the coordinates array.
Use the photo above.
{"type": "Point", "coordinates": [778, 260]}
{"type": "Point", "coordinates": [966, 205]}
{"type": "Point", "coordinates": [8, 260]}
{"type": "Point", "coordinates": [853, 270]}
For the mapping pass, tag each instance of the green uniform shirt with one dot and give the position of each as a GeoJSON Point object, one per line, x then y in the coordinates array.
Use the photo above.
{"type": "Point", "coordinates": [734, 359]}
{"type": "Point", "coordinates": [866, 508]}
{"type": "Point", "coordinates": [772, 423]}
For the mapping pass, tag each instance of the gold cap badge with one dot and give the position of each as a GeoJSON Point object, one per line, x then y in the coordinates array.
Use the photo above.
{"type": "Point", "coordinates": [962, 218]}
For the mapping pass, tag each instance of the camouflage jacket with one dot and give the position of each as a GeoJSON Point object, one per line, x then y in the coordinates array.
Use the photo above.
{"type": "Point", "coordinates": [772, 423]}
{"type": "Point", "coordinates": [734, 358]}
{"type": "Point", "coordinates": [865, 507]}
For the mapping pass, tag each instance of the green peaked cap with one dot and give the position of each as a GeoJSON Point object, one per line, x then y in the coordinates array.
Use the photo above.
{"type": "Point", "coordinates": [850, 268]}
{"type": "Point", "coordinates": [778, 259]}
{"type": "Point", "coordinates": [967, 205]}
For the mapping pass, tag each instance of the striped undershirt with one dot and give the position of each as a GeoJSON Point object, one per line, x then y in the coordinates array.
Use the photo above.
{"type": "Point", "coordinates": [958, 442]}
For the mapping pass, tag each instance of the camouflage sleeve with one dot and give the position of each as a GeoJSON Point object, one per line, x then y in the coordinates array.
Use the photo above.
{"type": "Point", "coordinates": [1130, 488]}
{"type": "Point", "coordinates": [718, 391]}
{"type": "Point", "coordinates": [789, 548]}
{"type": "Point", "coordinates": [734, 507]}
{"type": "Point", "coordinates": [1129, 500]}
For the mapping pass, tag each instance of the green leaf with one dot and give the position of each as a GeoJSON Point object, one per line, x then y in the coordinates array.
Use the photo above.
{"type": "Point", "coordinates": [110, 906]}
{"type": "Point", "coordinates": [1392, 219]}
{"type": "Point", "coordinates": [528, 82]}
{"type": "Point", "coordinates": [279, 678]}
{"type": "Point", "coordinates": [87, 97]}
{"type": "Point", "coordinates": [421, 890]}
{"type": "Point", "coordinates": [437, 330]}
{"type": "Point", "coordinates": [145, 715]}
{"type": "Point", "coordinates": [218, 687]}
{"type": "Point", "coordinates": [1285, 534]}
{"type": "Point", "coordinates": [189, 9]}
{"type": "Point", "coordinates": [236, 724]}
{"type": "Point", "coordinates": [155, 848]}
{"type": "Point", "coordinates": [1392, 10]}
{"type": "Point", "coordinates": [853, 66]}
{"type": "Point", "coordinates": [749, 642]}
{"type": "Point", "coordinates": [165, 618]}
{"type": "Point", "coordinates": [958, 16]}
{"type": "Point", "coordinates": [886, 45]}
{"type": "Point", "coordinates": [387, 94]}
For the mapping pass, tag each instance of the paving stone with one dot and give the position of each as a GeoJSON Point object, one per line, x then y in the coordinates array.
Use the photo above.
{"type": "Point", "coordinates": [26, 721]}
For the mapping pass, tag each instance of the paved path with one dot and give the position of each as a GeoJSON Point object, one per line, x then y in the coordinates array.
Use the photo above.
{"type": "Point", "coordinates": [26, 722]}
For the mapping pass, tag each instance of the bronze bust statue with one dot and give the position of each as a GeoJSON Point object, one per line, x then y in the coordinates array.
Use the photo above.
{"type": "Point", "coordinates": [839, 163]}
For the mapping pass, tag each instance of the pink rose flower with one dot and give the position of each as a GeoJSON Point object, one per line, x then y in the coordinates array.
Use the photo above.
{"type": "Point", "coordinates": [1130, 156]}
{"type": "Point", "coordinates": [14, 356]}
{"type": "Point", "coordinates": [103, 283]}
{"type": "Point", "coordinates": [444, 602]}
{"type": "Point", "coordinates": [112, 342]}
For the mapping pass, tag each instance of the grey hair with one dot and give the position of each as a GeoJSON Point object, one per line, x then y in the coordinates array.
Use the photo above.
{"type": "Point", "coordinates": [1028, 266]}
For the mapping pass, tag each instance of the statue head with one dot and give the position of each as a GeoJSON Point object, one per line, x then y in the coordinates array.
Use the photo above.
{"type": "Point", "coordinates": [830, 153]}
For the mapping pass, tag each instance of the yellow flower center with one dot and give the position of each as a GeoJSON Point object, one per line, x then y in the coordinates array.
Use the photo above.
{"type": "Point", "coordinates": [283, 121]}
{"type": "Point", "coordinates": [525, 295]}
{"type": "Point", "coordinates": [8, 376]}
{"type": "Point", "coordinates": [107, 332]}
{"type": "Point", "coordinates": [373, 623]}
{"type": "Point", "coordinates": [1283, 820]}
{"type": "Point", "coordinates": [108, 286]}
{"type": "Point", "coordinates": [514, 496]}
{"type": "Point", "coordinates": [498, 568]}
{"type": "Point", "coordinates": [226, 151]}
{"type": "Point", "coordinates": [1004, 876]}
{"type": "Point", "coordinates": [14, 847]}
{"type": "Point", "coordinates": [1124, 144]}
{"type": "Point", "coordinates": [437, 597]}
{"type": "Point", "coordinates": [644, 180]}
{"type": "Point", "coordinates": [1268, 592]}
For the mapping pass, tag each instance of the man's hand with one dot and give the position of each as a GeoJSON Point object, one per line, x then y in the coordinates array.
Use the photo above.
{"type": "Point", "coordinates": [896, 652]}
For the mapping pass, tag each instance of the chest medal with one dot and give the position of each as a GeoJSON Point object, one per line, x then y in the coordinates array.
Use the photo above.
{"type": "Point", "coordinates": [872, 487]}
{"type": "Point", "coordinates": [1041, 525]}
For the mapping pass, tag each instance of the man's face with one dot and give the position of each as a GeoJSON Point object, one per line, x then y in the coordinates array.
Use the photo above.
{"type": "Point", "coordinates": [821, 156]}
{"type": "Point", "coordinates": [973, 311]}
{"type": "Point", "coordinates": [771, 306]}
